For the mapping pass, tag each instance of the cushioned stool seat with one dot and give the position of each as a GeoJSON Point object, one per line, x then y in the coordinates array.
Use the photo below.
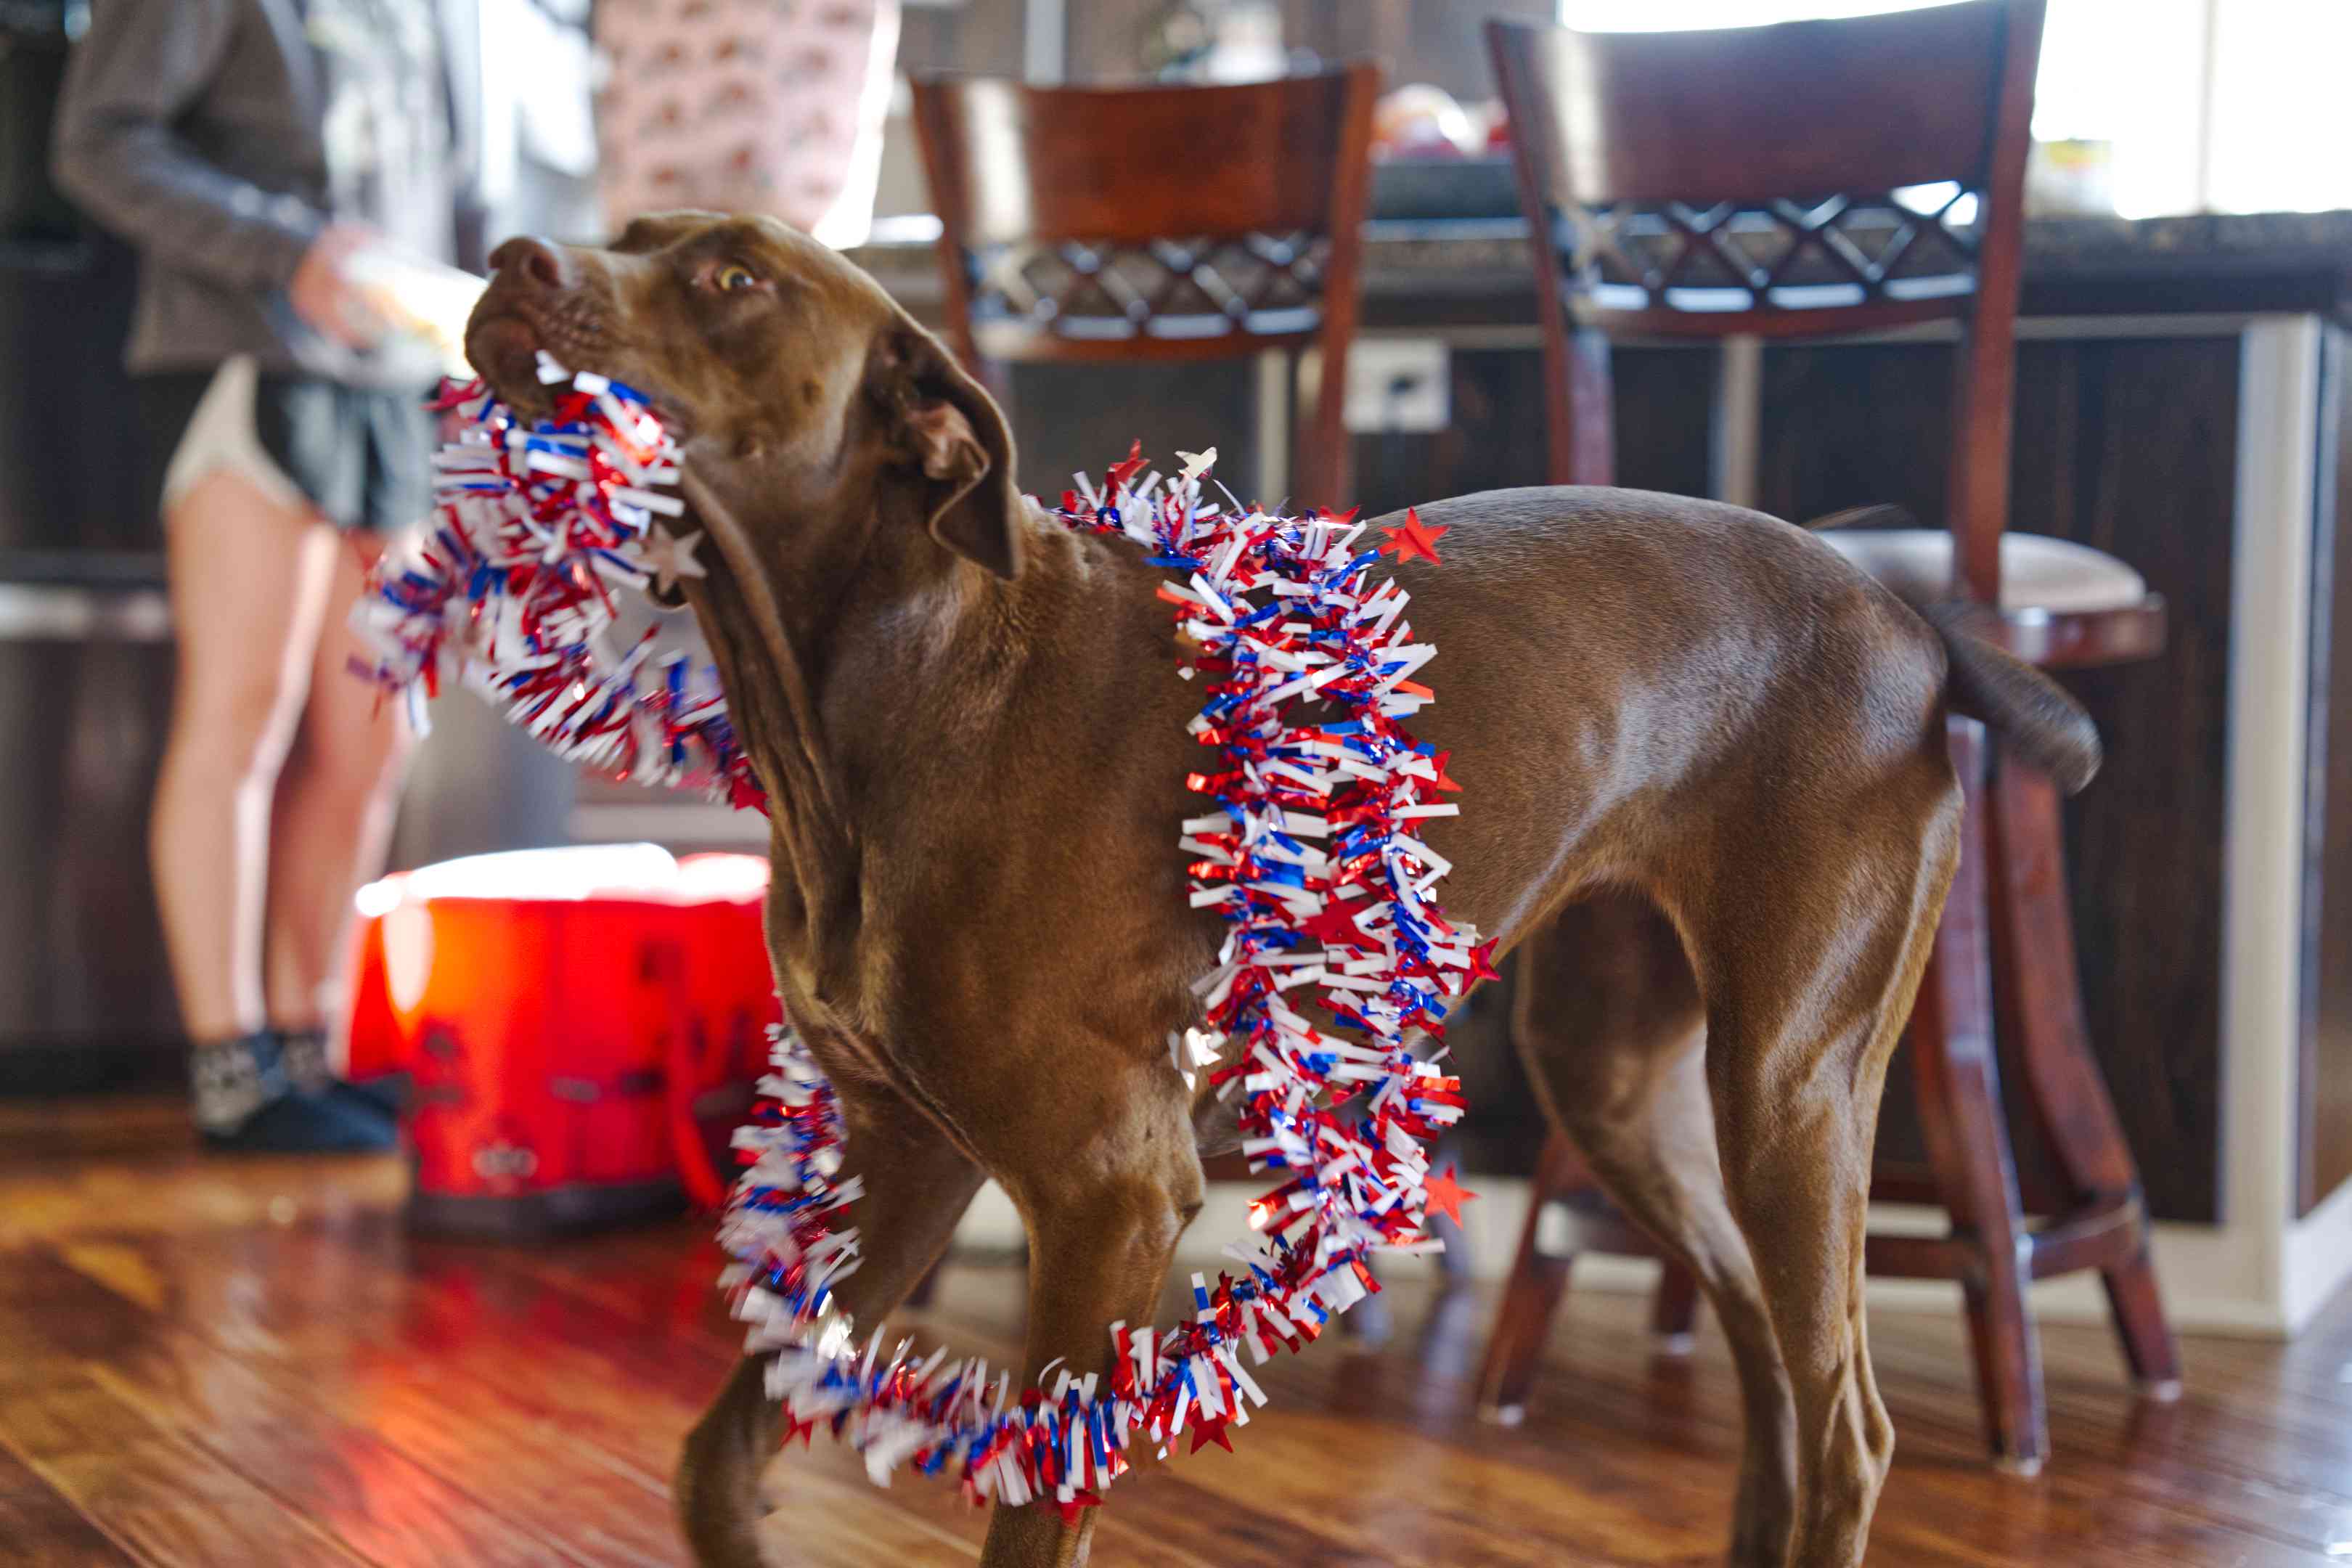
{"type": "Point", "coordinates": [2037, 572]}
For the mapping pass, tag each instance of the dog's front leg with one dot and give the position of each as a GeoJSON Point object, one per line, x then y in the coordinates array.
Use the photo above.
{"type": "Point", "coordinates": [917, 1187]}
{"type": "Point", "coordinates": [1103, 1223]}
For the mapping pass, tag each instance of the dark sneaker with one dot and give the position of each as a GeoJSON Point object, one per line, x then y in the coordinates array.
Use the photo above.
{"type": "Point", "coordinates": [340, 1122]}
{"type": "Point", "coordinates": [304, 1052]}
{"type": "Point", "coordinates": [249, 1100]}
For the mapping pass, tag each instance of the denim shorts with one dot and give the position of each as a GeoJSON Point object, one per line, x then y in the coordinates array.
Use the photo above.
{"type": "Point", "coordinates": [361, 457]}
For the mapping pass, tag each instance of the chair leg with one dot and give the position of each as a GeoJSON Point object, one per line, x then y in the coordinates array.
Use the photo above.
{"type": "Point", "coordinates": [1673, 1310]}
{"type": "Point", "coordinates": [2034, 940]}
{"type": "Point", "coordinates": [1537, 1280]}
{"type": "Point", "coordinates": [920, 1296]}
{"type": "Point", "coordinates": [2141, 1325]}
{"type": "Point", "coordinates": [1960, 1111]}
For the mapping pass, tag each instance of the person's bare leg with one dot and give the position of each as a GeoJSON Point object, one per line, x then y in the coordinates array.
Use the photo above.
{"type": "Point", "coordinates": [333, 819]}
{"type": "Point", "coordinates": [249, 577]}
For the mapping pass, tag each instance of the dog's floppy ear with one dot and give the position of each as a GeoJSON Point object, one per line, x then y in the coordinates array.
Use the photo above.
{"type": "Point", "coordinates": [951, 432]}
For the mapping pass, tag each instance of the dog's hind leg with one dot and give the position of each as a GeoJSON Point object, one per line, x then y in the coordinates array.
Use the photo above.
{"type": "Point", "coordinates": [917, 1185]}
{"type": "Point", "coordinates": [1810, 953]}
{"type": "Point", "coordinates": [1103, 1221]}
{"type": "Point", "coordinates": [1611, 1028]}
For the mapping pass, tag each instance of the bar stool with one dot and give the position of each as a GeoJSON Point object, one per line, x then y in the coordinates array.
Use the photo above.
{"type": "Point", "coordinates": [1158, 224]}
{"type": "Point", "coordinates": [1802, 179]}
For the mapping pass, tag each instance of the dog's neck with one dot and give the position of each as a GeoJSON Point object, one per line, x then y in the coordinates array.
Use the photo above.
{"type": "Point", "coordinates": [826, 607]}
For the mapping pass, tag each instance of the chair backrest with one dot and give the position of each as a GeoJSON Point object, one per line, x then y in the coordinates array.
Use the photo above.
{"type": "Point", "coordinates": [1804, 178]}
{"type": "Point", "coordinates": [1155, 223]}
{"type": "Point", "coordinates": [1144, 222]}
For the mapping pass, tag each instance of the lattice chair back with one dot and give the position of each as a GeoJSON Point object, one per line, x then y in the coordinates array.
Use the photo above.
{"type": "Point", "coordinates": [1800, 179]}
{"type": "Point", "coordinates": [1155, 223]}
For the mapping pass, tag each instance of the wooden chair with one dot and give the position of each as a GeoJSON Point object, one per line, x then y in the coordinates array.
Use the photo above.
{"type": "Point", "coordinates": [1827, 177]}
{"type": "Point", "coordinates": [1158, 223]}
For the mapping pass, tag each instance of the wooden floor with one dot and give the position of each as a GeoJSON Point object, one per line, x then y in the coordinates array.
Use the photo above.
{"type": "Point", "coordinates": [215, 1362]}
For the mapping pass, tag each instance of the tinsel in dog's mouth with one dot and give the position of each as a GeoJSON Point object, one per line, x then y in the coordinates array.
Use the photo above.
{"type": "Point", "coordinates": [509, 340]}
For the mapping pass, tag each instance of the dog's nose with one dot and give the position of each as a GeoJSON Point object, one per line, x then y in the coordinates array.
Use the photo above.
{"type": "Point", "coordinates": [532, 262]}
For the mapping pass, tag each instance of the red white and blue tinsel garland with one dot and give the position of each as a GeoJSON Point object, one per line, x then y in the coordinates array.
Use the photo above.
{"type": "Point", "coordinates": [1312, 857]}
{"type": "Point", "coordinates": [536, 526]}
{"type": "Point", "coordinates": [1310, 854]}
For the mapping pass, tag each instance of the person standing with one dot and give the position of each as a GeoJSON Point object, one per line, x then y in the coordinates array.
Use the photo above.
{"type": "Point", "coordinates": [262, 156]}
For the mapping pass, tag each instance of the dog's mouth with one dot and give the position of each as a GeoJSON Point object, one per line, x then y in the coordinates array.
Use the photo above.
{"type": "Point", "coordinates": [503, 349]}
{"type": "Point", "coordinates": [511, 327]}
{"type": "Point", "coordinates": [504, 342]}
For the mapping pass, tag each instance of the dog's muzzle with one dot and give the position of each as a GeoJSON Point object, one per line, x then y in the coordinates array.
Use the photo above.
{"type": "Point", "coordinates": [535, 300]}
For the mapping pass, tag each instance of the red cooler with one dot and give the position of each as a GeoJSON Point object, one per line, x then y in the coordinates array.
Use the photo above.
{"type": "Point", "coordinates": [580, 1029]}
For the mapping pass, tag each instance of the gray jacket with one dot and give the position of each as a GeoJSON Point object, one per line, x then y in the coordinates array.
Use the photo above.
{"type": "Point", "coordinates": [219, 136]}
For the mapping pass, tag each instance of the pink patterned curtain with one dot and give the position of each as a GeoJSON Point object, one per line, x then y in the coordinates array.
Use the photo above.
{"type": "Point", "coordinates": [766, 106]}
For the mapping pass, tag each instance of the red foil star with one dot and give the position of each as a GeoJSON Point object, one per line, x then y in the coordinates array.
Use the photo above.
{"type": "Point", "coordinates": [1414, 538]}
{"type": "Point", "coordinates": [1209, 1432]}
{"type": "Point", "coordinates": [1444, 1195]}
{"type": "Point", "coordinates": [1336, 924]}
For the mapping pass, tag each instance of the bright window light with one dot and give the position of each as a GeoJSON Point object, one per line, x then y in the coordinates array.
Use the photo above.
{"type": "Point", "coordinates": [2232, 105]}
{"type": "Point", "coordinates": [2282, 118]}
{"type": "Point", "coordinates": [1680, 16]}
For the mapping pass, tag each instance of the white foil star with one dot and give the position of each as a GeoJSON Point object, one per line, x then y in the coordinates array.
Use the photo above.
{"type": "Point", "coordinates": [672, 556]}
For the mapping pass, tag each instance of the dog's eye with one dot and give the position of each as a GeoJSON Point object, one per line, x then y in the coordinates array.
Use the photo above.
{"type": "Point", "coordinates": [734, 276]}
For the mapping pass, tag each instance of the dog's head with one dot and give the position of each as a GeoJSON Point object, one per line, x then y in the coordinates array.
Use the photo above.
{"type": "Point", "coordinates": [794, 384]}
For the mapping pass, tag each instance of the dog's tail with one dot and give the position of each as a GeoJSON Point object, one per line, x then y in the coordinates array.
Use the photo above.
{"type": "Point", "coordinates": [2030, 712]}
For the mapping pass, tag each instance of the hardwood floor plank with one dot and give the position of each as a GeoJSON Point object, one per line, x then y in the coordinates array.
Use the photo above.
{"type": "Point", "coordinates": [1420, 1499]}
{"type": "Point", "coordinates": [580, 1429]}
{"type": "Point", "coordinates": [1611, 1419]}
{"type": "Point", "coordinates": [445, 1321]}
{"type": "Point", "coordinates": [172, 1504]}
{"type": "Point", "coordinates": [286, 1438]}
{"type": "Point", "coordinates": [39, 1524]}
{"type": "Point", "coordinates": [249, 1363]}
{"type": "Point", "coordinates": [58, 1198]}
{"type": "Point", "coordinates": [1396, 1497]}
{"type": "Point", "coordinates": [436, 1337]}
{"type": "Point", "coordinates": [427, 1371]}
{"type": "Point", "coordinates": [644, 1302]}
{"type": "Point", "coordinates": [2215, 1457]}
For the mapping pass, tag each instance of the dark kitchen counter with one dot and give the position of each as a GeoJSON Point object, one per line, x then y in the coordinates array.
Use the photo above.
{"type": "Point", "coordinates": [1463, 271]}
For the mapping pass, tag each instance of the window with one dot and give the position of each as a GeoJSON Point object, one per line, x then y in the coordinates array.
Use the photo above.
{"type": "Point", "coordinates": [2226, 105]}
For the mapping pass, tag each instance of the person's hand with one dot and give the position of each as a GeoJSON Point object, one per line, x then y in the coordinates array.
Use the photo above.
{"type": "Point", "coordinates": [323, 294]}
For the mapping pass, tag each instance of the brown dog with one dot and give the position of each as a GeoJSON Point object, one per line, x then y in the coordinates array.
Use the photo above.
{"type": "Point", "coordinates": [1709, 799]}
